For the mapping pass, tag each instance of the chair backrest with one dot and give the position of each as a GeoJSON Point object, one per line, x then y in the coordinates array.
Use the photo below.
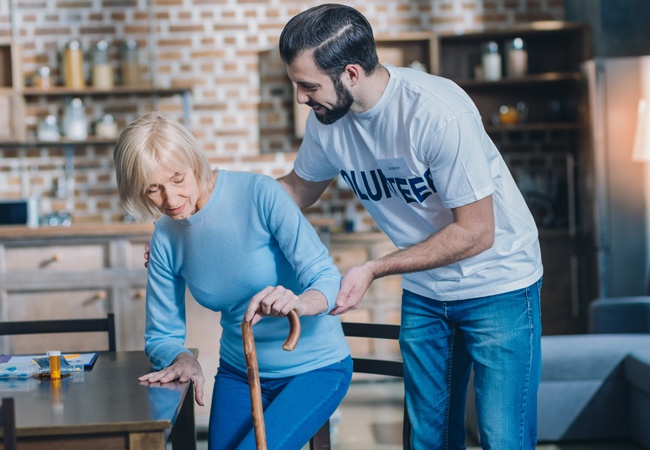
{"type": "Point", "coordinates": [321, 440]}
{"type": "Point", "coordinates": [8, 424]}
{"type": "Point", "coordinates": [106, 324]}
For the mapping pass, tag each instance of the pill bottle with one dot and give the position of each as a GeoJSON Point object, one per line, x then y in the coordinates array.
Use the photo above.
{"type": "Point", "coordinates": [73, 60]}
{"type": "Point", "coordinates": [55, 364]}
{"type": "Point", "coordinates": [102, 71]}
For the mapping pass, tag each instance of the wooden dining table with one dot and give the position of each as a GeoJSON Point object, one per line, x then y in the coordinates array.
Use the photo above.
{"type": "Point", "coordinates": [105, 408]}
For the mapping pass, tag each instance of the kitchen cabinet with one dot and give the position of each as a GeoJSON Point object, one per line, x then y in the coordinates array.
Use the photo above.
{"type": "Point", "coordinates": [73, 272]}
{"type": "Point", "coordinates": [538, 121]}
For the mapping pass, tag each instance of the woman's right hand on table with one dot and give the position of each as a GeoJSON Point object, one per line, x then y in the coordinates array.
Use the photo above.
{"type": "Point", "coordinates": [184, 368]}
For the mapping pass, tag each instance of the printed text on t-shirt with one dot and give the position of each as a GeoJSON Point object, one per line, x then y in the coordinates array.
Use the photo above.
{"type": "Point", "coordinates": [373, 185]}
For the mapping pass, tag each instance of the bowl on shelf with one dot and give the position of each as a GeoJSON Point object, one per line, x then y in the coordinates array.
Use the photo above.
{"type": "Point", "coordinates": [510, 114]}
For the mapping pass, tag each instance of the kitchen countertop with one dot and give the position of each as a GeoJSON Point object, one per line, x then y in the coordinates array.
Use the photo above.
{"type": "Point", "coordinates": [16, 232]}
{"type": "Point", "coordinates": [113, 229]}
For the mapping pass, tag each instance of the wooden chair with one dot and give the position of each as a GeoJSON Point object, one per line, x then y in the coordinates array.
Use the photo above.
{"type": "Point", "coordinates": [321, 439]}
{"type": "Point", "coordinates": [8, 424]}
{"type": "Point", "coordinates": [106, 324]}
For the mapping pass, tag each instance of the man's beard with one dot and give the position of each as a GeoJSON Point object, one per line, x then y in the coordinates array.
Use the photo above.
{"type": "Point", "coordinates": [343, 104]}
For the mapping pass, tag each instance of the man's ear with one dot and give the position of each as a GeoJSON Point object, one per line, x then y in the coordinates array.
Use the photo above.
{"type": "Point", "coordinates": [352, 74]}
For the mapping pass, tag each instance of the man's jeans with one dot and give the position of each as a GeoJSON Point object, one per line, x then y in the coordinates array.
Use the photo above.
{"type": "Point", "coordinates": [500, 337]}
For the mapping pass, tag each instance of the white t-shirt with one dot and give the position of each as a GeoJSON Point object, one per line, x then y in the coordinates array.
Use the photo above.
{"type": "Point", "coordinates": [420, 151]}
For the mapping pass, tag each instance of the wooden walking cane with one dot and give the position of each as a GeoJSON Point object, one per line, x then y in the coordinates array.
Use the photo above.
{"type": "Point", "coordinates": [254, 373]}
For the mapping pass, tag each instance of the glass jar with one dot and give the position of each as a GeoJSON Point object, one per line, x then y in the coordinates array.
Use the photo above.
{"type": "Point", "coordinates": [491, 61]}
{"type": "Point", "coordinates": [130, 63]}
{"type": "Point", "coordinates": [517, 58]}
{"type": "Point", "coordinates": [75, 124]}
{"type": "Point", "coordinates": [48, 129]}
{"type": "Point", "coordinates": [73, 61]}
{"type": "Point", "coordinates": [106, 127]}
{"type": "Point", "coordinates": [102, 73]}
{"type": "Point", "coordinates": [42, 78]}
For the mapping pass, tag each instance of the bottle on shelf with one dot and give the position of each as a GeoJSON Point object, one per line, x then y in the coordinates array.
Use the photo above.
{"type": "Point", "coordinates": [491, 61]}
{"type": "Point", "coordinates": [73, 61]}
{"type": "Point", "coordinates": [48, 129]}
{"type": "Point", "coordinates": [42, 79]}
{"type": "Point", "coordinates": [517, 57]}
{"type": "Point", "coordinates": [75, 123]}
{"type": "Point", "coordinates": [106, 127]}
{"type": "Point", "coordinates": [130, 63]}
{"type": "Point", "coordinates": [102, 72]}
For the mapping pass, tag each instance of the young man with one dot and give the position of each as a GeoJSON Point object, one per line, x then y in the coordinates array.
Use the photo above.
{"type": "Point", "coordinates": [413, 149]}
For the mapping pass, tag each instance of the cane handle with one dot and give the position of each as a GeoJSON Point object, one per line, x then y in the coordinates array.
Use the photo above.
{"type": "Point", "coordinates": [294, 331]}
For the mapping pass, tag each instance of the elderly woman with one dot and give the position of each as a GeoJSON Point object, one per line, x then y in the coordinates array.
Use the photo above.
{"type": "Point", "coordinates": [242, 247]}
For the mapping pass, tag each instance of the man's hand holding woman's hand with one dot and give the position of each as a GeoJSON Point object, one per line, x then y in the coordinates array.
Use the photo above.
{"type": "Point", "coordinates": [184, 368]}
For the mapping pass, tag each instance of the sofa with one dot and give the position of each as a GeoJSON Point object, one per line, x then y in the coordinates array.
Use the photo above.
{"type": "Point", "coordinates": [594, 386]}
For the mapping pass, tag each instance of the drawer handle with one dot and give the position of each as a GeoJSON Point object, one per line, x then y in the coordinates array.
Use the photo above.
{"type": "Point", "coordinates": [140, 294]}
{"type": "Point", "coordinates": [54, 259]}
{"type": "Point", "coordinates": [99, 296]}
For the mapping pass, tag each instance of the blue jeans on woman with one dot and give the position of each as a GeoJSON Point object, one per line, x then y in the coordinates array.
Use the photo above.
{"type": "Point", "coordinates": [500, 337]}
{"type": "Point", "coordinates": [295, 408]}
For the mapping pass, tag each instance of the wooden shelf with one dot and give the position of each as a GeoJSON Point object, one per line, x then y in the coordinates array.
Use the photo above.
{"type": "Point", "coordinates": [117, 90]}
{"type": "Point", "coordinates": [544, 126]}
{"type": "Point", "coordinates": [60, 143]}
{"type": "Point", "coordinates": [18, 138]}
{"type": "Point", "coordinates": [552, 46]}
{"type": "Point", "coordinates": [402, 49]}
{"type": "Point", "coordinates": [528, 80]}
{"type": "Point", "coordinates": [542, 27]}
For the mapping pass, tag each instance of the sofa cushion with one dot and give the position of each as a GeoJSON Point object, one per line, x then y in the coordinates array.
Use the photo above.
{"type": "Point", "coordinates": [620, 315]}
{"type": "Point", "coordinates": [582, 411]}
{"type": "Point", "coordinates": [637, 369]}
{"type": "Point", "coordinates": [588, 356]}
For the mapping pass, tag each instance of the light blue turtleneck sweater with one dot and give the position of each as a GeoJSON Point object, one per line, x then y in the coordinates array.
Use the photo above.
{"type": "Point", "coordinates": [248, 236]}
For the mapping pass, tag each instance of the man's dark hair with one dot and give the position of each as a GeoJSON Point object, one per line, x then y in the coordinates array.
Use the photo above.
{"type": "Point", "coordinates": [338, 35]}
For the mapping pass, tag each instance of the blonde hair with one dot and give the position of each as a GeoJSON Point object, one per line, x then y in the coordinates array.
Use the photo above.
{"type": "Point", "coordinates": [148, 145]}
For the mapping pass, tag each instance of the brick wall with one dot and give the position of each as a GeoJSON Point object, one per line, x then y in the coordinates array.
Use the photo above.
{"type": "Point", "coordinates": [226, 50]}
